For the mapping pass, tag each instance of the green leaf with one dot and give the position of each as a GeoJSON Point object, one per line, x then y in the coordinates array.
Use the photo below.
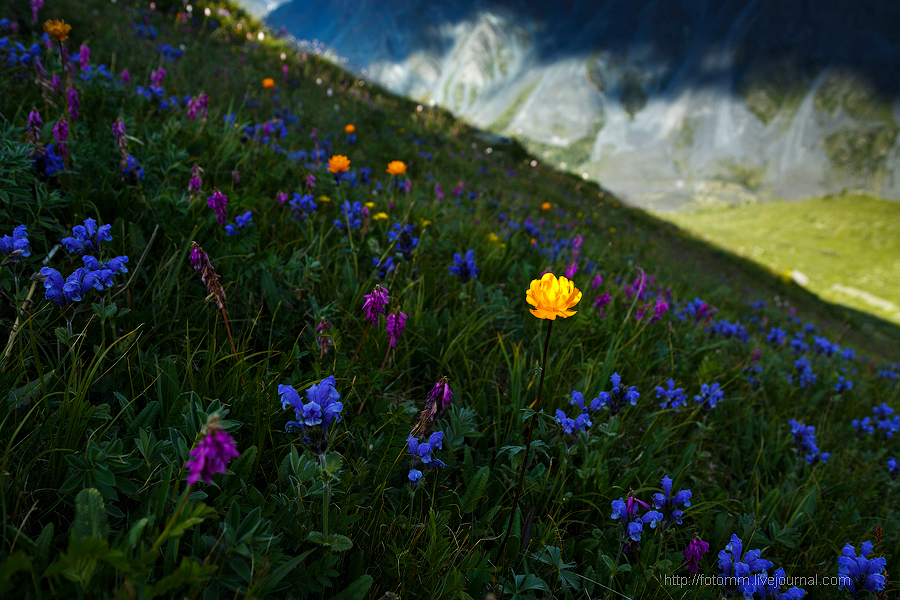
{"type": "Point", "coordinates": [25, 395]}
{"type": "Point", "coordinates": [356, 590]}
{"type": "Point", "coordinates": [338, 543]}
{"type": "Point", "coordinates": [475, 490]}
{"type": "Point", "coordinates": [333, 463]}
{"type": "Point", "coordinates": [134, 534]}
{"type": "Point", "coordinates": [90, 516]}
{"type": "Point", "coordinates": [16, 562]}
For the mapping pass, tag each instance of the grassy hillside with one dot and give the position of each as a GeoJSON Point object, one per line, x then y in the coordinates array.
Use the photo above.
{"type": "Point", "coordinates": [848, 246]}
{"type": "Point", "coordinates": [301, 384]}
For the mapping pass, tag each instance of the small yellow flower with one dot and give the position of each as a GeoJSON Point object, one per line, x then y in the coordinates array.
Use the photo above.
{"type": "Point", "coordinates": [552, 297]}
{"type": "Point", "coordinates": [370, 205]}
{"type": "Point", "coordinates": [324, 199]}
{"type": "Point", "coordinates": [534, 241]}
{"type": "Point", "coordinates": [493, 237]}
{"type": "Point", "coordinates": [546, 206]}
{"type": "Point", "coordinates": [338, 164]}
{"type": "Point", "coordinates": [58, 29]}
{"type": "Point", "coordinates": [396, 167]}
{"type": "Point", "coordinates": [268, 82]}
{"type": "Point", "coordinates": [349, 127]}
{"type": "Point", "coordinates": [379, 216]}
{"type": "Point", "coordinates": [424, 223]}
{"type": "Point", "coordinates": [612, 229]}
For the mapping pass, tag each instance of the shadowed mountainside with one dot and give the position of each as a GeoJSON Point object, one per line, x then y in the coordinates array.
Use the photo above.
{"type": "Point", "coordinates": [665, 103]}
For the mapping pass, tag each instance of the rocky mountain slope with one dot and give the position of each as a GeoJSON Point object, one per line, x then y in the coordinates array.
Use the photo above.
{"type": "Point", "coordinates": [664, 102]}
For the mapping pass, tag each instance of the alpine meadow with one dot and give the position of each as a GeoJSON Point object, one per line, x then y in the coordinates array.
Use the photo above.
{"type": "Point", "coordinates": [271, 331]}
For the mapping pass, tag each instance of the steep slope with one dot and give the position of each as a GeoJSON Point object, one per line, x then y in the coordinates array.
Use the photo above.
{"type": "Point", "coordinates": [663, 102]}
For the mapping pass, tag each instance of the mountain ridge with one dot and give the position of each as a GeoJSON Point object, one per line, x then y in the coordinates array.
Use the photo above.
{"type": "Point", "coordinates": [658, 101]}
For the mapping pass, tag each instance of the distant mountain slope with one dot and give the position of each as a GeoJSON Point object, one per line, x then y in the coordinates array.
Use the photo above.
{"type": "Point", "coordinates": [664, 102]}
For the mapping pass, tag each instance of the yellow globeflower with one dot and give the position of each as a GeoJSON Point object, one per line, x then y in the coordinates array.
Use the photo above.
{"type": "Point", "coordinates": [379, 216]}
{"type": "Point", "coordinates": [58, 29]}
{"type": "Point", "coordinates": [268, 83]}
{"type": "Point", "coordinates": [349, 127]}
{"type": "Point", "coordinates": [546, 206]}
{"type": "Point", "coordinates": [396, 167]}
{"type": "Point", "coordinates": [338, 164]}
{"type": "Point", "coordinates": [552, 297]}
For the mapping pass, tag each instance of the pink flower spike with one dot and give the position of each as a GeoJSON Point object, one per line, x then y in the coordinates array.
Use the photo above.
{"type": "Point", "coordinates": [212, 454]}
{"type": "Point", "coordinates": [395, 323]}
{"type": "Point", "coordinates": [375, 304]}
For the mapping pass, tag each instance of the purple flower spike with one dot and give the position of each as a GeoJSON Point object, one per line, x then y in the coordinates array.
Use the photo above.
{"type": "Point", "coordinates": [212, 454]}
{"type": "Point", "coordinates": [375, 304]}
{"type": "Point", "coordinates": [218, 202]}
{"type": "Point", "coordinates": [395, 323]}
{"type": "Point", "coordinates": [693, 553]}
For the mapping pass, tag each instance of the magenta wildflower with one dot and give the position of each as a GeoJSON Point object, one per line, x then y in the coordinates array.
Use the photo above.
{"type": "Point", "coordinates": [118, 131]}
{"type": "Point", "coordinates": [596, 282]}
{"type": "Point", "coordinates": [218, 202]}
{"type": "Point", "coordinates": [193, 108]}
{"type": "Point", "coordinates": [441, 395]}
{"type": "Point", "coordinates": [84, 56]}
{"type": "Point", "coordinates": [74, 103]}
{"type": "Point", "coordinates": [195, 183]}
{"type": "Point", "coordinates": [198, 258]}
{"type": "Point", "coordinates": [570, 272]}
{"type": "Point", "coordinates": [602, 301]}
{"type": "Point", "coordinates": [35, 124]}
{"type": "Point", "coordinates": [395, 323]}
{"type": "Point", "coordinates": [311, 181]}
{"type": "Point", "coordinates": [198, 106]}
{"type": "Point", "coordinates": [61, 133]}
{"type": "Point", "coordinates": [281, 197]}
{"type": "Point", "coordinates": [125, 75]}
{"type": "Point", "coordinates": [36, 5]}
{"type": "Point", "coordinates": [438, 192]}
{"type": "Point", "coordinates": [54, 84]}
{"type": "Point", "coordinates": [324, 338]}
{"type": "Point", "coordinates": [235, 177]}
{"type": "Point", "coordinates": [212, 454]}
{"type": "Point", "coordinates": [659, 309]}
{"type": "Point", "coordinates": [693, 553]}
{"type": "Point", "coordinates": [156, 77]}
{"type": "Point", "coordinates": [375, 304]}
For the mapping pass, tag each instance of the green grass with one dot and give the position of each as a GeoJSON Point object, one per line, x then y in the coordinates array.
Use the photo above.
{"type": "Point", "coordinates": [848, 245]}
{"type": "Point", "coordinates": [108, 395]}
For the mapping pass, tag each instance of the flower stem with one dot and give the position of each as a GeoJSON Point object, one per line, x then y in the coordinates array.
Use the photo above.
{"type": "Point", "coordinates": [162, 536]}
{"type": "Point", "coordinates": [326, 494]}
{"type": "Point", "coordinates": [528, 434]}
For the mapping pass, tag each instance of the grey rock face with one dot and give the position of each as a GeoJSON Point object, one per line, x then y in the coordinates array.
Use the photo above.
{"type": "Point", "coordinates": [665, 102]}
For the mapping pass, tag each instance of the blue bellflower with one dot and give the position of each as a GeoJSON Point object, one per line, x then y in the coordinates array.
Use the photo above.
{"type": "Point", "coordinates": [16, 246]}
{"type": "Point", "coordinates": [627, 512]}
{"type": "Point", "coordinates": [86, 238]}
{"type": "Point", "coordinates": [616, 399]}
{"type": "Point", "coordinates": [738, 567]}
{"type": "Point", "coordinates": [861, 575]}
{"type": "Point", "coordinates": [709, 395]}
{"type": "Point", "coordinates": [672, 397]}
{"type": "Point", "coordinates": [668, 504]}
{"type": "Point", "coordinates": [464, 268]}
{"type": "Point", "coordinates": [322, 408]}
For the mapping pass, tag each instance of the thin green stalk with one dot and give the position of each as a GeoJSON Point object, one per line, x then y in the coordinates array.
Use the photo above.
{"type": "Point", "coordinates": [326, 495]}
{"type": "Point", "coordinates": [528, 434]}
